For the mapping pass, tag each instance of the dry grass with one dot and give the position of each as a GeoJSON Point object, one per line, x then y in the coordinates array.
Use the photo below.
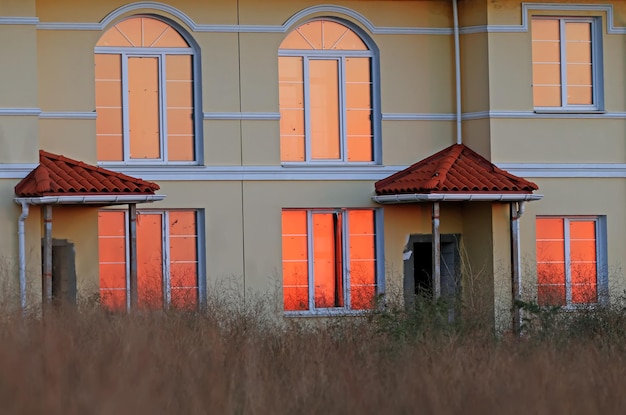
{"type": "Point", "coordinates": [239, 361]}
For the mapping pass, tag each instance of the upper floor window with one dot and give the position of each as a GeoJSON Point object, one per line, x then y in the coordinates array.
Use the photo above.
{"type": "Point", "coordinates": [328, 105]}
{"type": "Point", "coordinates": [567, 71]}
{"type": "Point", "coordinates": [147, 106]}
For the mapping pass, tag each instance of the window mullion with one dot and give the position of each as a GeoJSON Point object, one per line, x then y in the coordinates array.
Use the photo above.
{"type": "Point", "coordinates": [345, 240]}
{"type": "Point", "coordinates": [568, 262]}
{"type": "Point", "coordinates": [127, 257]}
{"type": "Point", "coordinates": [163, 106]}
{"type": "Point", "coordinates": [125, 109]}
{"type": "Point", "coordinates": [307, 109]}
{"type": "Point", "coordinates": [343, 116]}
{"type": "Point", "coordinates": [165, 249]}
{"type": "Point", "coordinates": [311, 268]}
{"type": "Point", "coordinates": [563, 53]}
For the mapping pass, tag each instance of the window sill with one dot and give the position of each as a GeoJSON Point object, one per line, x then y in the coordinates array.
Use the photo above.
{"type": "Point", "coordinates": [347, 165]}
{"type": "Point", "coordinates": [162, 164]}
{"type": "Point", "coordinates": [568, 111]}
{"type": "Point", "coordinates": [326, 313]}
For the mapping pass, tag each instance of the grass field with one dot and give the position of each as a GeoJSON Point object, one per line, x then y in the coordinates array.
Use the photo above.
{"type": "Point", "coordinates": [238, 360]}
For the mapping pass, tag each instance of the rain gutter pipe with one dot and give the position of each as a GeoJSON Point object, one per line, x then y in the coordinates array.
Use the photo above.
{"type": "Point", "coordinates": [22, 254]}
{"type": "Point", "coordinates": [457, 70]}
{"type": "Point", "coordinates": [458, 197]}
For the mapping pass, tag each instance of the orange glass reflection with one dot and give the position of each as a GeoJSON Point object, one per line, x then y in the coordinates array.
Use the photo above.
{"type": "Point", "coordinates": [362, 258]}
{"type": "Point", "coordinates": [112, 259]}
{"type": "Point", "coordinates": [142, 32]}
{"type": "Point", "coordinates": [295, 260]}
{"type": "Point", "coordinates": [550, 261]}
{"type": "Point", "coordinates": [183, 259]}
{"type": "Point", "coordinates": [546, 62]}
{"type": "Point", "coordinates": [324, 109]}
{"type": "Point", "coordinates": [323, 35]}
{"type": "Point", "coordinates": [150, 260]}
{"type": "Point", "coordinates": [108, 107]}
{"type": "Point", "coordinates": [327, 260]}
{"type": "Point", "coordinates": [143, 101]}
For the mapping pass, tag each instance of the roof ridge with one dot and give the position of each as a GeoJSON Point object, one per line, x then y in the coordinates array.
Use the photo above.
{"type": "Point", "coordinates": [446, 163]}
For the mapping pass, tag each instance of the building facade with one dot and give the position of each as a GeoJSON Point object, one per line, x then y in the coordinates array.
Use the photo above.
{"type": "Point", "coordinates": [267, 125]}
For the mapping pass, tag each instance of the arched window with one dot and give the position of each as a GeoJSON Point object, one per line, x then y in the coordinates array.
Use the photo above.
{"type": "Point", "coordinates": [328, 108]}
{"type": "Point", "coordinates": [145, 96]}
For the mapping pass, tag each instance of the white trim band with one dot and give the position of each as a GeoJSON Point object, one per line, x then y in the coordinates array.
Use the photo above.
{"type": "Point", "coordinates": [90, 199]}
{"type": "Point", "coordinates": [272, 116]}
{"type": "Point", "coordinates": [68, 115]}
{"type": "Point", "coordinates": [455, 197]}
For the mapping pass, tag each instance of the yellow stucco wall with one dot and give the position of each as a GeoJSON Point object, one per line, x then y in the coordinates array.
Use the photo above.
{"type": "Point", "coordinates": [52, 70]}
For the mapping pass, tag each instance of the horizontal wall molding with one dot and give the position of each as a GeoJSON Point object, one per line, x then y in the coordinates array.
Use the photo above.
{"type": "Point", "coordinates": [18, 20]}
{"type": "Point", "coordinates": [323, 8]}
{"type": "Point", "coordinates": [327, 173]}
{"type": "Point", "coordinates": [16, 170]}
{"type": "Point", "coordinates": [242, 116]}
{"type": "Point", "coordinates": [418, 117]}
{"type": "Point", "coordinates": [68, 115]}
{"type": "Point", "coordinates": [252, 173]}
{"type": "Point", "coordinates": [275, 116]}
{"type": "Point", "coordinates": [20, 111]}
{"type": "Point", "coordinates": [500, 114]}
{"type": "Point", "coordinates": [566, 170]}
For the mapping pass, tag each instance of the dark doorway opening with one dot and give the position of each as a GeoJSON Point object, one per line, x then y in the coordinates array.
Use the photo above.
{"type": "Point", "coordinates": [63, 272]}
{"type": "Point", "coordinates": [418, 265]}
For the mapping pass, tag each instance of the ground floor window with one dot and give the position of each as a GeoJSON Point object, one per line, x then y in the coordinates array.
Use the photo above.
{"type": "Point", "coordinates": [570, 260]}
{"type": "Point", "coordinates": [329, 259]}
{"type": "Point", "coordinates": [167, 259]}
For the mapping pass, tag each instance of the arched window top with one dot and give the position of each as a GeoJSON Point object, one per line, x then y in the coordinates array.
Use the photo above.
{"type": "Point", "coordinates": [142, 32]}
{"type": "Point", "coordinates": [323, 35]}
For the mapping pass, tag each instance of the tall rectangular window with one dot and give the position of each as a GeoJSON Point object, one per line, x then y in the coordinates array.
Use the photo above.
{"type": "Point", "coordinates": [570, 261]}
{"type": "Point", "coordinates": [329, 259]}
{"type": "Point", "coordinates": [326, 89]}
{"type": "Point", "coordinates": [167, 259]}
{"type": "Point", "coordinates": [566, 69]}
{"type": "Point", "coordinates": [145, 94]}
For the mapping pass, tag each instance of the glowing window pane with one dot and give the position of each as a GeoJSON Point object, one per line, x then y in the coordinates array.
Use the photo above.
{"type": "Point", "coordinates": [295, 260]}
{"type": "Point", "coordinates": [143, 102]}
{"type": "Point", "coordinates": [150, 260]}
{"type": "Point", "coordinates": [324, 101]}
{"type": "Point", "coordinates": [327, 260]}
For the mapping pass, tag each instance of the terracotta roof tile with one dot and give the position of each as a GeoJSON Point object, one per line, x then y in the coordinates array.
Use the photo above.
{"type": "Point", "coordinates": [456, 169]}
{"type": "Point", "coordinates": [58, 175]}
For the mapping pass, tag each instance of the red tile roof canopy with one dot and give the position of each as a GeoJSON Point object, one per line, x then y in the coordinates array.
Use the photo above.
{"type": "Point", "coordinates": [456, 169]}
{"type": "Point", "coordinates": [61, 176]}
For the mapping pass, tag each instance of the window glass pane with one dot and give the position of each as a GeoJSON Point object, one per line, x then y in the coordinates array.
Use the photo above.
{"type": "Point", "coordinates": [324, 102]}
{"type": "Point", "coordinates": [550, 261]}
{"type": "Point", "coordinates": [546, 62]}
{"type": "Point", "coordinates": [180, 121]}
{"type": "Point", "coordinates": [312, 33]}
{"type": "Point", "coordinates": [362, 258]}
{"type": "Point", "coordinates": [150, 260]}
{"type": "Point", "coordinates": [291, 98]}
{"type": "Point", "coordinates": [170, 39]}
{"type": "Point", "coordinates": [183, 259]}
{"type": "Point", "coordinates": [108, 107]}
{"type": "Point", "coordinates": [152, 30]}
{"type": "Point", "coordinates": [360, 148]}
{"type": "Point", "coordinates": [332, 33]}
{"type": "Point", "coordinates": [295, 260]}
{"type": "Point", "coordinates": [350, 41]}
{"type": "Point", "coordinates": [131, 30]}
{"type": "Point", "coordinates": [143, 101]}
{"type": "Point", "coordinates": [327, 260]}
{"type": "Point", "coordinates": [578, 31]}
{"type": "Point", "coordinates": [112, 259]}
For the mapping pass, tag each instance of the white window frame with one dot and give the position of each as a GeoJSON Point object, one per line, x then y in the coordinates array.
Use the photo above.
{"type": "Point", "coordinates": [340, 55]}
{"type": "Point", "coordinates": [160, 53]}
{"type": "Point", "coordinates": [597, 77]}
{"type": "Point", "coordinates": [165, 251]}
{"type": "Point", "coordinates": [601, 259]}
{"type": "Point", "coordinates": [345, 249]}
